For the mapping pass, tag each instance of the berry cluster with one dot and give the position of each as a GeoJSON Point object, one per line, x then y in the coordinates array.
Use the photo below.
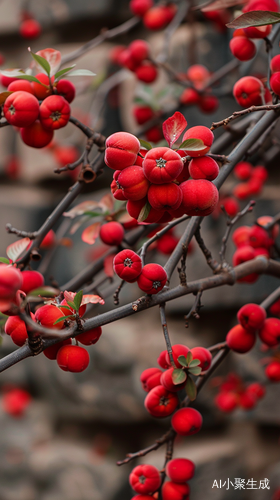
{"type": "Point", "coordinates": [157, 186]}
{"type": "Point", "coordinates": [275, 77]}
{"type": "Point", "coordinates": [233, 393]}
{"type": "Point", "coordinates": [252, 320]}
{"type": "Point", "coordinates": [136, 58]}
{"type": "Point", "coordinates": [250, 91]}
{"type": "Point", "coordinates": [254, 178]}
{"type": "Point", "coordinates": [38, 120]}
{"type": "Point", "coordinates": [198, 75]}
{"type": "Point", "coordinates": [154, 17]}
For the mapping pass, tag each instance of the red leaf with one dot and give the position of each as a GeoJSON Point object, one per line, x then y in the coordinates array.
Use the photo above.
{"type": "Point", "coordinates": [108, 265]}
{"type": "Point", "coordinates": [52, 56]}
{"type": "Point", "coordinates": [90, 234]}
{"type": "Point", "coordinates": [173, 127]}
{"type": "Point", "coordinates": [17, 248]}
{"type": "Point", "coordinates": [107, 203]}
{"type": "Point", "coordinates": [92, 299]}
{"type": "Point", "coordinates": [85, 206]}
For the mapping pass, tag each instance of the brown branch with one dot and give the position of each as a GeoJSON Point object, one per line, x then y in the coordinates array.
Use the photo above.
{"type": "Point", "coordinates": [237, 114]}
{"type": "Point", "coordinates": [166, 334]}
{"type": "Point", "coordinates": [158, 443]}
{"type": "Point", "coordinates": [212, 263]}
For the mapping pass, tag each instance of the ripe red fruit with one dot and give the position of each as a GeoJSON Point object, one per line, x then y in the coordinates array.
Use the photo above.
{"type": "Point", "coordinates": [122, 149]}
{"type": "Point", "coordinates": [140, 7]}
{"type": "Point", "coordinates": [243, 254]}
{"type": "Point", "coordinates": [47, 315]}
{"type": "Point", "coordinates": [175, 491]}
{"type": "Point", "coordinates": [15, 402]}
{"type": "Point", "coordinates": [270, 332]}
{"type": "Point", "coordinates": [49, 240]}
{"type": "Point", "coordinates": [162, 165]}
{"type": "Point", "coordinates": [257, 389]}
{"type": "Point", "coordinates": [204, 356]}
{"type": "Point", "coordinates": [154, 134]}
{"type": "Point", "coordinates": [248, 91]}
{"type": "Point", "coordinates": [51, 352]}
{"type": "Point", "coordinates": [226, 401]}
{"type": "Point", "coordinates": [36, 136]}
{"type": "Point", "coordinates": [145, 479]}
{"type": "Point", "coordinates": [150, 378]}
{"type": "Point", "coordinates": [31, 280]}
{"type": "Point", "coordinates": [240, 340]}
{"type": "Point", "coordinates": [152, 279]}
{"type": "Point", "coordinates": [157, 17]}
{"type": "Point", "coordinates": [177, 350]}
{"type": "Point", "coordinates": [66, 89]}
{"type": "Point", "coordinates": [30, 29]}
{"type": "Point", "coordinates": [258, 32]}
{"type": "Point", "coordinates": [165, 196]}
{"type": "Point", "coordinates": [167, 381]}
{"type": "Point", "coordinates": [135, 210]}
{"type": "Point", "coordinates": [142, 114]}
{"type": "Point", "coordinates": [21, 109]}
{"type": "Point", "coordinates": [230, 205]}
{"type": "Point", "coordinates": [261, 5]}
{"type": "Point", "coordinates": [200, 197]}
{"type": "Point", "coordinates": [180, 470]}
{"type": "Point", "coordinates": [272, 371]}
{"type": "Point", "coordinates": [247, 400]}
{"type": "Point", "coordinates": [198, 74]}
{"type": "Point", "coordinates": [240, 236]}
{"type": "Point", "coordinates": [139, 50]}
{"type": "Point", "coordinates": [72, 358]}
{"type": "Point", "coordinates": [41, 91]}
{"type": "Point", "coordinates": [259, 237]}
{"type": "Point", "coordinates": [167, 243]}
{"type": "Point", "coordinates": [204, 168]}
{"type": "Point", "coordinates": [251, 317]}
{"type": "Point", "coordinates": [243, 170]}
{"type": "Point", "coordinates": [208, 103]}
{"type": "Point", "coordinates": [127, 265]}
{"type": "Point", "coordinates": [186, 421]}
{"type": "Point", "coordinates": [161, 403]}
{"type": "Point", "coordinates": [112, 233]}
{"type": "Point", "coordinates": [275, 308]}
{"type": "Point", "coordinates": [189, 97]}
{"type": "Point", "coordinates": [10, 282]}
{"type": "Point", "coordinates": [275, 83]}
{"type": "Point", "coordinates": [66, 154]}
{"type": "Point", "coordinates": [22, 85]}
{"type": "Point", "coordinates": [54, 112]}
{"type": "Point", "coordinates": [146, 72]}
{"type": "Point", "coordinates": [133, 182]}
{"type": "Point", "coordinates": [204, 134]}
{"type": "Point", "coordinates": [15, 327]}
{"type": "Point", "coordinates": [242, 48]}
{"type": "Point", "coordinates": [90, 337]}
{"type": "Point", "coordinates": [275, 64]}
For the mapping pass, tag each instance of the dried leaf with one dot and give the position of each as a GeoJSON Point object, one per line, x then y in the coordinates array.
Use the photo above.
{"type": "Point", "coordinates": [15, 250]}
{"type": "Point", "coordinates": [80, 209]}
{"type": "Point", "coordinates": [90, 234]}
{"type": "Point", "coordinates": [92, 299]}
{"type": "Point", "coordinates": [65, 242]}
{"type": "Point", "coordinates": [107, 203]}
{"type": "Point", "coordinates": [255, 18]}
{"type": "Point", "coordinates": [173, 127]}
{"type": "Point", "coordinates": [108, 265]}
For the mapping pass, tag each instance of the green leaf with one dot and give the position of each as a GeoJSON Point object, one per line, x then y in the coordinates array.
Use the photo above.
{"type": "Point", "coordinates": [145, 144]}
{"type": "Point", "coordinates": [71, 304]}
{"type": "Point", "coordinates": [78, 299]}
{"type": "Point", "coordinates": [44, 291]}
{"type": "Point", "coordinates": [62, 72]}
{"type": "Point", "coordinates": [189, 357]}
{"type": "Point", "coordinates": [191, 389]}
{"type": "Point", "coordinates": [194, 362]}
{"type": "Point", "coordinates": [178, 376]}
{"type": "Point", "coordinates": [42, 62]}
{"type": "Point", "coordinates": [96, 214]}
{"type": "Point", "coordinates": [182, 360]}
{"type": "Point", "coordinates": [81, 72]}
{"type": "Point", "coordinates": [144, 212]}
{"type": "Point", "coordinates": [62, 318]}
{"type": "Point", "coordinates": [4, 260]}
{"type": "Point", "coordinates": [192, 145]}
{"type": "Point", "coordinates": [196, 370]}
{"type": "Point", "coordinates": [255, 18]}
{"type": "Point", "coordinates": [31, 79]}
{"type": "Point", "coordinates": [66, 307]}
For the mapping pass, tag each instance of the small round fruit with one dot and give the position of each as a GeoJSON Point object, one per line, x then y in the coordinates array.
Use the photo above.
{"type": "Point", "coordinates": [21, 109]}
{"type": "Point", "coordinates": [180, 470]}
{"type": "Point", "coordinates": [72, 358]}
{"type": "Point", "coordinates": [186, 421]}
{"type": "Point", "coordinates": [112, 233]}
{"type": "Point", "coordinates": [36, 136]}
{"type": "Point", "coordinates": [90, 337]}
{"type": "Point", "coordinates": [127, 265]}
{"type": "Point", "coordinates": [152, 278]}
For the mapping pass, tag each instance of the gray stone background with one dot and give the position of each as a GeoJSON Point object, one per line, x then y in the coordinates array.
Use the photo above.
{"type": "Point", "coordinates": [78, 425]}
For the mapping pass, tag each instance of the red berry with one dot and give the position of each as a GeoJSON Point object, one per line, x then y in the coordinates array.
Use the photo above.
{"type": "Point", "coordinates": [90, 337]}
{"type": "Point", "coordinates": [15, 327]}
{"type": "Point", "coordinates": [41, 91]}
{"type": "Point", "coordinates": [140, 7]}
{"type": "Point", "coordinates": [242, 48]}
{"type": "Point", "coordinates": [122, 149]}
{"type": "Point", "coordinates": [31, 280]}
{"type": "Point", "coordinates": [270, 332]}
{"type": "Point", "coordinates": [150, 378]}
{"type": "Point", "coordinates": [66, 89]}
{"type": "Point", "coordinates": [204, 356]}
{"type": "Point", "coordinates": [272, 371]}
{"type": "Point", "coordinates": [47, 315]}
{"type": "Point", "coordinates": [152, 278]}
{"type": "Point", "coordinates": [204, 168]}
{"type": "Point", "coordinates": [251, 317]}
{"type": "Point", "coordinates": [167, 381]}
{"type": "Point", "coordinates": [146, 72]}
{"type": "Point", "coordinates": [112, 233]}
{"type": "Point", "coordinates": [30, 29]}
{"type": "Point", "coordinates": [15, 402]}
{"type": "Point", "coordinates": [240, 340]}
{"type": "Point", "coordinates": [36, 136]}
{"type": "Point", "coordinates": [180, 470]}
{"type": "Point", "coordinates": [54, 112]}
{"type": "Point", "coordinates": [243, 170]}
{"type": "Point", "coordinates": [127, 265]}
{"type": "Point", "coordinates": [145, 479]}
{"type": "Point", "coordinates": [200, 197]}
{"type": "Point", "coordinates": [10, 282]}
{"type": "Point", "coordinates": [51, 352]}
{"type": "Point", "coordinates": [162, 165]}
{"type": "Point", "coordinates": [72, 358]}
{"type": "Point", "coordinates": [202, 133]}
{"type": "Point", "coordinates": [248, 91]}
{"type": "Point", "coordinates": [186, 421]}
{"type": "Point", "coordinates": [161, 403]}
{"type": "Point", "coordinates": [177, 350]}
{"type": "Point", "coordinates": [21, 109]}
{"type": "Point", "coordinates": [226, 401]}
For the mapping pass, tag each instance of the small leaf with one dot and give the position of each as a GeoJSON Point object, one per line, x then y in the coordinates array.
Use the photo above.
{"type": "Point", "coordinates": [178, 376]}
{"type": "Point", "coordinates": [44, 291]}
{"type": "Point", "coordinates": [182, 360]}
{"type": "Point", "coordinates": [67, 307]}
{"type": "Point", "coordinates": [81, 72]}
{"type": "Point", "coordinates": [81, 209]}
{"type": "Point", "coordinates": [62, 318]}
{"type": "Point", "coordinates": [92, 299]}
{"type": "Point", "coordinates": [52, 56]}
{"type": "Point", "coordinates": [191, 389]}
{"type": "Point", "coordinates": [4, 260]}
{"type": "Point", "coordinates": [108, 265]}
{"type": "Point", "coordinates": [78, 299]}
{"type": "Point", "coordinates": [17, 248]}
{"type": "Point", "coordinates": [255, 18]}
{"type": "Point", "coordinates": [71, 304]}
{"type": "Point", "coordinates": [194, 362]}
{"type": "Point", "coordinates": [12, 73]}
{"type": "Point", "coordinates": [145, 144]}
{"type": "Point", "coordinates": [31, 79]}
{"type": "Point", "coordinates": [196, 370]}
{"type": "Point", "coordinates": [42, 62]}
{"type": "Point", "coordinates": [3, 97]}
{"type": "Point", "coordinates": [189, 357]}
{"type": "Point", "coordinates": [144, 212]}
{"type": "Point", "coordinates": [90, 234]}
{"type": "Point", "coordinates": [62, 72]}
{"type": "Point", "coordinates": [93, 214]}
{"type": "Point", "coordinates": [173, 127]}
{"type": "Point", "coordinates": [192, 145]}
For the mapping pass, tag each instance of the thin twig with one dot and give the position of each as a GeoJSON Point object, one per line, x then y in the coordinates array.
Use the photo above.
{"type": "Point", "coordinates": [237, 114]}
{"type": "Point", "coordinates": [166, 334]}
{"type": "Point", "coordinates": [212, 263]}
{"type": "Point", "coordinates": [195, 308]}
